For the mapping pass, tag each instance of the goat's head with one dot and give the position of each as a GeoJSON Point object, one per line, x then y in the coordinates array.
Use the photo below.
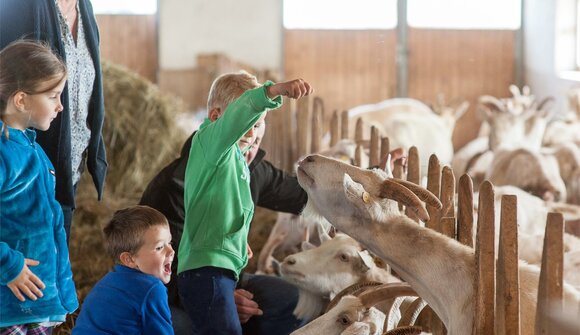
{"type": "Point", "coordinates": [351, 310]}
{"type": "Point", "coordinates": [334, 265]}
{"type": "Point", "coordinates": [347, 195]}
{"type": "Point", "coordinates": [449, 112]}
{"type": "Point", "coordinates": [507, 124]}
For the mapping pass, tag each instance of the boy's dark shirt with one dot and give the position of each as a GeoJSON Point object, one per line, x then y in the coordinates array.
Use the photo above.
{"type": "Point", "coordinates": [270, 187]}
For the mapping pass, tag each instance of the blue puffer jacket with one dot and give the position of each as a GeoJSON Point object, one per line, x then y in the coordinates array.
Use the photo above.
{"type": "Point", "coordinates": [31, 226]}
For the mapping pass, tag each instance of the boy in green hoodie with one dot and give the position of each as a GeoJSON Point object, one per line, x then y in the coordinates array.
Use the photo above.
{"type": "Point", "coordinates": [218, 204]}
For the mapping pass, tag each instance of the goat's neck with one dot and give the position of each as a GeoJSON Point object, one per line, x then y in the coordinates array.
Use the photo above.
{"type": "Point", "coordinates": [309, 305]}
{"type": "Point", "coordinates": [441, 270]}
{"type": "Point", "coordinates": [535, 134]}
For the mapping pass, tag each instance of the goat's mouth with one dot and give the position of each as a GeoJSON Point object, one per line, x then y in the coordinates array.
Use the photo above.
{"type": "Point", "coordinates": [293, 275]}
{"type": "Point", "coordinates": [303, 178]}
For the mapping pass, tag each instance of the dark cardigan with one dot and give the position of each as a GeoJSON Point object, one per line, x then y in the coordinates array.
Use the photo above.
{"type": "Point", "coordinates": [38, 20]}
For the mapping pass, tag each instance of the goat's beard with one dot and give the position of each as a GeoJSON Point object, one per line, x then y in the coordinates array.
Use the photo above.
{"type": "Point", "coordinates": [311, 212]}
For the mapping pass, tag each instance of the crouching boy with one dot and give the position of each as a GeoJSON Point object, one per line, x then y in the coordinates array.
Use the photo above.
{"type": "Point", "coordinates": [132, 299]}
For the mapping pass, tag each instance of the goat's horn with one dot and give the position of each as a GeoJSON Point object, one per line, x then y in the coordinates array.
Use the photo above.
{"type": "Point", "coordinates": [409, 330]}
{"type": "Point", "coordinates": [409, 316]}
{"type": "Point", "coordinates": [515, 90]}
{"type": "Point", "coordinates": [545, 101]}
{"type": "Point", "coordinates": [422, 193]}
{"type": "Point", "coordinates": [393, 190]}
{"type": "Point", "coordinates": [373, 296]}
{"type": "Point", "coordinates": [354, 289]}
{"type": "Point", "coordinates": [488, 99]}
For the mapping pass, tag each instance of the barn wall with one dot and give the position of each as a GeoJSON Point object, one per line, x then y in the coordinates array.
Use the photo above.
{"type": "Point", "coordinates": [247, 31]}
{"type": "Point", "coordinates": [130, 40]}
{"type": "Point", "coordinates": [461, 64]}
{"type": "Point", "coordinates": [350, 68]}
{"type": "Point", "coordinates": [347, 68]}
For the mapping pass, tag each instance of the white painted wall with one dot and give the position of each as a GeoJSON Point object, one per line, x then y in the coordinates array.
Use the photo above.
{"type": "Point", "coordinates": [249, 31]}
{"type": "Point", "coordinates": [548, 60]}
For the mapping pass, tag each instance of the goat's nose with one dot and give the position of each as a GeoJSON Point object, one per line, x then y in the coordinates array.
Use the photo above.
{"type": "Point", "coordinates": [309, 159]}
{"type": "Point", "coordinates": [290, 260]}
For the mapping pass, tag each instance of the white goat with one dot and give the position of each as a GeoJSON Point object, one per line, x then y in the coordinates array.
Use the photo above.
{"type": "Point", "coordinates": [530, 171]}
{"type": "Point", "coordinates": [566, 129]}
{"type": "Point", "coordinates": [568, 157]}
{"type": "Point", "coordinates": [322, 272]}
{"type": "Point", "coordinates": [352, 312]}
{"type": "Point", "coordinates": [409, 122]}
{"type": "Point", "coordinates": [441, 270]}
{"type": "Point", "coordinates": [513, 123]}
{"type": "Point", "coordinates": [532, 213]}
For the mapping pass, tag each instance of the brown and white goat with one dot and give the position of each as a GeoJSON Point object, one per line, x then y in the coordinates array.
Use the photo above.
{"type": "Point", "coordinates": [442, 271]}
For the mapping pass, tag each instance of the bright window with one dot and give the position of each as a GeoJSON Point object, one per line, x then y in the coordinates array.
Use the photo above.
{"type": "Point", "coordinates": [131, 7]}
{"type": "Point", "coordinates": [464, 14]}
{"type": "Point", "coordinates": [340, 14]}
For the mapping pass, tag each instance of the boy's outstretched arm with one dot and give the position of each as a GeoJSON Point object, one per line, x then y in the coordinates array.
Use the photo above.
{"type": "Point", "coordinates": [294, 89]}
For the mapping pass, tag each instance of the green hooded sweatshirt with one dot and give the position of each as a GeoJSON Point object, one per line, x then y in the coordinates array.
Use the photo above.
{"type": "Point", "coordinates": [218, 204]}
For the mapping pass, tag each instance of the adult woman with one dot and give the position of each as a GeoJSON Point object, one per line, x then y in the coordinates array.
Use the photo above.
{"type": "Point", "coordinates": [70, 28]}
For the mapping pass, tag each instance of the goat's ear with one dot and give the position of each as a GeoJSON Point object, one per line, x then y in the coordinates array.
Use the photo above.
{"type": "Point", "coordinates": [276, 267]}
{"type": "Point", "coordinates": [365, 262]}
{"type": "Point", "coordinates": [307, 246]}
{"type": "Point", "coordinates": [358, 197]}
{"type": "Point", "coordinates": [460, 110]}
{"type": "Point", "coordinates": [322, 233]}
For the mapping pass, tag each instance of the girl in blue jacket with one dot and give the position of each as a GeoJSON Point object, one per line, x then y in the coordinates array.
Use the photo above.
{"type": "Point", "coordinates": [36, 286]}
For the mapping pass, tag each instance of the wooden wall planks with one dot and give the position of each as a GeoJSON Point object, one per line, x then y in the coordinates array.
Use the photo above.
{"type": "Point", "coordinates": [130, 40]}
{"type": "Point", "coordinates": [350, 68]}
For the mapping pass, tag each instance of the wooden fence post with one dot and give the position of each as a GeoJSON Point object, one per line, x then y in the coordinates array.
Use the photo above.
{"type": "Point", "coordinates": [550, 290]}
{"type": "Point", "coordinates": [433, 185]}
{"type": "Point", "coordinates": [374, 159]}
{"type": "Point", "coordinates": [508, 279]}
{"type": "Point", "coordinates": [344, 124]}
{"type": "Point", "coordinates": [485, 263]}
{"type": "Point", "coordinates": [334, 129]}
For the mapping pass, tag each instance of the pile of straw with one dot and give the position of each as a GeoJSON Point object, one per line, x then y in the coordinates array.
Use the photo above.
{"type": "Point", "coordinates": [139, 131]}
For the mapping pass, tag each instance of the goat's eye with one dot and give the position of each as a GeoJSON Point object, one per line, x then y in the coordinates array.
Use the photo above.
{"type": "Point", "coordinates": [344, 257]}
{"type": "Point", "coordinates": [344, 320]}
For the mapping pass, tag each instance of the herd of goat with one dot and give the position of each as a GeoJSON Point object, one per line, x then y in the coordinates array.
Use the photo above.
{"type": "Point", "coordinates": [383, 271]}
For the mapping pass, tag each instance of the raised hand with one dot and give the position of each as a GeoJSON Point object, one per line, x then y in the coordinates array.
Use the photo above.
{"type": "Point", "coordinates": [294, 89]}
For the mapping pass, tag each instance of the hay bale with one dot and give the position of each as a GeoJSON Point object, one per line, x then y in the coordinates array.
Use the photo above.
{"type": "Point", "coordinates": [139, 132]}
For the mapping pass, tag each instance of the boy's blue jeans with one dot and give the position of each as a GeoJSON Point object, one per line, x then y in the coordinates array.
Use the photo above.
{"type": "Point", "coordinates": [276, 297]}
{"type": "Point", "coordinates": [207, 294]}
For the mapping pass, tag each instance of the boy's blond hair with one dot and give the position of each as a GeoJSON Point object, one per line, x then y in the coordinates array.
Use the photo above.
{"type": "Point", "coordinates": [228, 87]}
{"type": "Point", "coordinates": [125, 231]}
